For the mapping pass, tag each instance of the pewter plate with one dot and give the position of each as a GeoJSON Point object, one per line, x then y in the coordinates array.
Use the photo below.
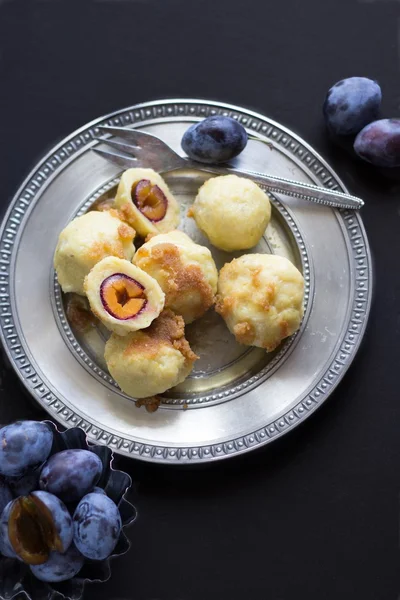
{"type": "Point", "coordinates": [237, 398]}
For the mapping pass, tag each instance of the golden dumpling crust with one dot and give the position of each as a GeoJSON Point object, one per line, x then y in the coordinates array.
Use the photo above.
{"type": "Point", "coordinates": [232, 212]}
{"type": "Point", "coordinates": [122, 296]}
{"type": "Point", "coordinates": [260, 297]}
{"type": "Point", "coordinates": [185, 271]}
{"type": "Point", "coordinates": [159, 204]}
{"type": "Point", "coordinates": [84, 242]}
{"type": "Point", "coordinates": [151, 361]}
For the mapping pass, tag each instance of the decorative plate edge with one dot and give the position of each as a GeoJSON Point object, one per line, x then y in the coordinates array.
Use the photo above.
{"type": "Point", "coordinates": [171, 109]}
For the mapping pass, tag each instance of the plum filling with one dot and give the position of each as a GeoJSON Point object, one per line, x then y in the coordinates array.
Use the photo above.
{"type": "Point", "coordinates": [149, 199]}
{"type": "Point", "coordinates": [122, 297]}
{"type": "Point", "coordinates": [32, 532]}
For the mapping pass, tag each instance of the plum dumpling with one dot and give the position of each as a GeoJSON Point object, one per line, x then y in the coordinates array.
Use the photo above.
{"type": "Point", "coordinates": [185, 271]}
{"type": "Point", "coordinates": [122, 296]}
{"type": "Point", "coordinates": [84, 242]}
{"type": "Point", "coordinates": [152, 360]}
{"type": "Point", "coordinates": [146, 203]}
{"type": "Point", "coordinates": [260, 297]}
{"type": "Point", "coordinates": [232, 212]}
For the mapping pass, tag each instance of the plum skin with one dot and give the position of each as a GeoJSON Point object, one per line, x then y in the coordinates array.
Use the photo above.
{"type": "Point", "coordinates": [6, 501]}
{"type": "Point", "coordinates": [61, 517]}
{"type": "Point", "coordinates": [5, 495]}
{"type": "Point", "coordinates": [379, 143]}
{"type": "Point", "coordinates": [60, 566]}
{"type": "Point", "coordinates": [216, 139]}
{"type": "Point", "coordinates": [22, 486]}
{"type": "Point", "coordinates": [351, 104]}
{"type": "Point", "coordinates": [71, 474]}
{"type": "Point", "coordinates": [97, 526]}
{"type": "Point", "coordinates": [6, 548]}
{"type": "Point", "coordinates": [23, 446]}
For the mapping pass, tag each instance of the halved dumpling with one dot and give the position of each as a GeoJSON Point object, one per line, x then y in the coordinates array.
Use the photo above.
{"type": "Point", "coordinates": [145, 202]}
{"type": "Point", "coordinates": [122, 296]}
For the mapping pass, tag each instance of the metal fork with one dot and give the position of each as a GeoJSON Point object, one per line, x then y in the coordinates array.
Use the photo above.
{"type": "Point", "coordinates": [140, 149]}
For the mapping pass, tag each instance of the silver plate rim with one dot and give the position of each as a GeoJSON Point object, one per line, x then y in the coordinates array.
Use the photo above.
{"type": "Point", "coordinates": [48, 400]}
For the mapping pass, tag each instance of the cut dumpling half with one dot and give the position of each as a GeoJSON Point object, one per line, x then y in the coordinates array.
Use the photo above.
{"type": "Point", "coordinates": [185, 271]}
{"type": "Point", "coordinates": [260, 297]}
{"type": "Point", "coordinates": [146, 203]}
{"type": "Point", "coordinates": [122, 296]}
{"type": "Point", "coordinates": [152, 360]}
{"type": "Point", "coordinates": [84, 242]}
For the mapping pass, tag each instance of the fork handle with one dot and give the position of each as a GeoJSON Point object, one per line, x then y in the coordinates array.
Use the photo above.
{"type": "Point", "coordinates": [297, 189]}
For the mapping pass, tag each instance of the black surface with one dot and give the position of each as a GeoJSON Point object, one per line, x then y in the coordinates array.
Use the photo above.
{"type": "Point", "coordinates": [315, 515]}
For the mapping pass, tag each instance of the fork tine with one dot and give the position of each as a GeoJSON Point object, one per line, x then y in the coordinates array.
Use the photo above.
{"type": "Point", "coordinates": [132, 135]}
{"type": "Point", "coordinates": [121, 146]}
{"type": "Point", "coordinates": [117, 159]}
{"type": "Point", "coordinates": [114, 130]}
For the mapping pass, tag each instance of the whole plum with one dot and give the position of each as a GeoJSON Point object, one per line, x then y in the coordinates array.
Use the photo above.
{"type": "Point", "coordinates": [351, 104]}
{"type": "Point", "coordinates": [23, 446]}
{"type": "Point", "coordinates": [71, 474]}
{"type": "Point", "coordinates": [60, 566]}
{"type": "Point", "coordinates": [97, 525]}
{"type": "Point", "coordinates": [379, 143]}
{"type": "Point", "coordinates": [216, 139]}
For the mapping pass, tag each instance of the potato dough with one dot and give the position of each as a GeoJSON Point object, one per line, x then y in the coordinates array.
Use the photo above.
{"type": "Point", "coordinates": [232, 212]}
{"type": "Point", "coordinates": [185, 271]}
{"type": "Point", "coordinates": [152, 360]}
{"type": "Point", "coordinates": [84, 242]}
{"type": "Point", "coordinates": [154, 209]}
{"type": "Point", "coordinates": [260, 297]}
{"type": "Point", "coordinates": [122, 296]}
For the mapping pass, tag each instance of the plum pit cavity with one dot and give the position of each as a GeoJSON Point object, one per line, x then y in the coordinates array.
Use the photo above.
{"type": "Point", "coordinates": [32, 531]}
{"type": "Point", "coordinates": [149, 199]}
{"type": "Point", "coordinates": [123, 297]}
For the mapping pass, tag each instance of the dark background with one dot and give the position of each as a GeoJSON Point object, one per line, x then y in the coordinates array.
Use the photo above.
{"type": "Point", "coordinates": [315, 515]}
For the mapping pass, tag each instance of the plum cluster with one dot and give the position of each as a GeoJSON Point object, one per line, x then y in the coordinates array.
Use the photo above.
{"type": "Point", "coordinates": [352, 108]}
{"type": "Point", "coordinates": [53, 517]}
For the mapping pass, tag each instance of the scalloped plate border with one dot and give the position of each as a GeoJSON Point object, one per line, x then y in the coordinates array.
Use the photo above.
{"type": "Point", "coordinates": [77, 143]}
